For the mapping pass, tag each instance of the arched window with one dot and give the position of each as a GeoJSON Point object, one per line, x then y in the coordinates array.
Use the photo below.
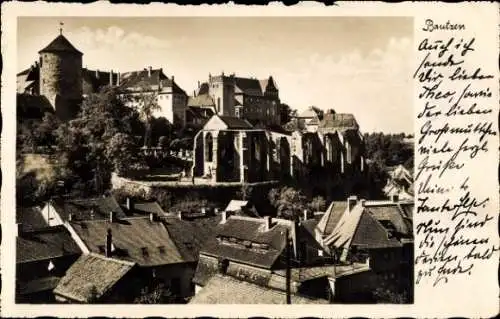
{"type": "Point", "coordinates": [209, 146]}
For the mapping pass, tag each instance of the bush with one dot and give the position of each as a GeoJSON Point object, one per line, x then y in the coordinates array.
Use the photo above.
{"type": "Point", "coordinates": [318, 204]}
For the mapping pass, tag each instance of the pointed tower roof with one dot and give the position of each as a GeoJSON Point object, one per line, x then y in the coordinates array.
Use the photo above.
{"type": "Point", "coordinates": [60, 44]}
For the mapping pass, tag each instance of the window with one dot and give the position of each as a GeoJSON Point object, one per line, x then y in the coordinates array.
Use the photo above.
{"type": "Point", "coordinates": [237, 112]}
{"type": "Point", "coordinates": [209, 147]}
{"type": "Point", "coordinates": [145, 252]}
{"type": "Point", "coordinates": [161, 249]}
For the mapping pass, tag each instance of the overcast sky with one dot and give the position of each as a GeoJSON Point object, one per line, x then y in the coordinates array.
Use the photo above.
{"type": "Point", "coordinates": [356, 65]}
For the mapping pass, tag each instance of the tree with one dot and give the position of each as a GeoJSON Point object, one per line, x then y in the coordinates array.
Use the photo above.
{"type": "Point", "coordinates": [160, 127]}
{"type": "Point", "coordinates": [289, 202]}
{"type": "Point", "coordinates": [318, 204]}
{"type": "Point", "coordinates": [245, 193]}
{"type": "Point", "coordinates": [122, 153]}
{"type": "Point", "coordinates": [147, 102]}
{"type": "Point", "coordinates": [286, 113]}
{"type": "Point", "coordinates": [83, 142]}
{"type": "Point", "coordinates": [157, 294]}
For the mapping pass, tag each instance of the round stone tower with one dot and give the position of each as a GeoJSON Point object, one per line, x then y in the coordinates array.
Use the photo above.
{"type": "Point", "coordinates": [61, 76]}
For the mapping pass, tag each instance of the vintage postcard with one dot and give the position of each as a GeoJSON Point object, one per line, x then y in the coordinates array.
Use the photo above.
{"type": "Point", "coordinates": [236, 161]}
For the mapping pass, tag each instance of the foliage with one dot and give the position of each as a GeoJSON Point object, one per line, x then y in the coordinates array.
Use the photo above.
{"type": "Point", "coordinates": [84, 143]}
{"type": "Point", "coordinates": [122, 153]}
{"type": "Point", "coordinates": [147, 103]}
{"type": "Point", "coordinates": [163, 142]}
{"type": "Point", "coordinates": [289, 202]}
{"type": "Point", "coordinates": [390, 296]}
{"type": "Point", "coordinates": [37, 135]}
{"type": "Point", "coordinates": [161, 128]}
{"type": "Point", "coordinates": [318, 204]}
{"type": "Point", "coordinates": [286, 113]}
{"type": "Point", "coordinates": [245, 193]}
{"type": "Point", "coordinates": [191, 203]}
{"type": "Point", "coordinates": [158, 294]}
{"type": "Point", "coordinates": [388, 149]}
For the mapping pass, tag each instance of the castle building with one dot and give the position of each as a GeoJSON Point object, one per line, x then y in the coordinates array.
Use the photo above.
{"type": "Point", "coordinates": [56, 77]}
{"type": "Point", "coordinates": [249, 98]}
{"type": "Point", "coordinates": [171, 99]}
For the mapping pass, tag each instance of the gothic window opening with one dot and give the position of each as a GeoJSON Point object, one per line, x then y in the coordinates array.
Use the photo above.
{"type": "Point", "coordinates": [209, 146]}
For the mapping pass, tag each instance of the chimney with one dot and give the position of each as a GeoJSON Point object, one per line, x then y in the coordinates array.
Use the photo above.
{"type": "Point", "coordinates": [194, 92]}
{"type": "Point", "coordinates": [395, 198]}
{"type": "Point", "coordinates": [118, 79]}
{"type": "Point", "coordinates": [111, 78]}
{"type": "Point", "coordinates": [128, 203]}
{"type": "Point", "coordinates": [152, 217]}
{"type": "Point", "coordinates": [173, 78]}
{"type": "Point", "coordinates": [97, 74]}
{"type": "Point", "coordinates": [222, 73]}
{"type": "Point", "coordinates": [109, 242]}
{"type": "Point", "coordinates": [112, 217]}
{"type": "Point", "coordinates": [198, 84]}
{"type": "Point", "coordinates": [209, 76]}
{"type": "Point", "coordinates": [224, 216]}
{"type": "Point", "coordinates": [149, 71]}
{"type": "Point", "coordinates": [351, 202]}
{"type": "Point", "coordinates": [267, 223]}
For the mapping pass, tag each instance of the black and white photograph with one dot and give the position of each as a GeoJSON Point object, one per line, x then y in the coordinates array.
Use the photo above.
{"type": "Point", "coordinates": [214, 160]}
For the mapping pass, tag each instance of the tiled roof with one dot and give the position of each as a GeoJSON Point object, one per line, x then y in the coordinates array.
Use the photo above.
{"type": "Point", "coordinates": [136, 239]}
{"type": "Point", "coordinates": [154, 79]}
{"type": "Point", "coordinates": [97, 79]}
{"type": "Point", "coordinates": [60, 44]}
{"type": "Point", "coordinates": [301, 274]}
{"type": "Point", "coordinates": [371, 234]}
{"type": "Point", "coordinates": [206, 268]}
{"type": "Point", "coordinates": [331, 217]}
{"type": "Point", "coordinates": [339, 121]}
{"type": "Point", "coordinates": [249, 86]}
{"type": "Point", "coordinates": [235, 122]}
{"type": "Point", "coordinates": [251, 230]}
{"type": "Point", "coordinates": [227, 290]}
{"type": "Point", "coordinates": [87, 209]}
{"type": "Point", "coordinates": [203, 89]}
{"type": "Point", "coordinates": [147, 208]}
{"type": "Point", "coordinates": [201, 100]}
{"type": "Point", "coordinates": [45, 244]}
{"type": "Point", "coordinates": [190, 235]}
{"type": "Point", "coordinates": [309, 113]}
{"type": "Point", "coordinates": [31, 218]}
{"type": "Point", "coordinates": [393, 215]}
{"type": "Point", "coordinates": [90, 277]}
{"type": "Point", "coordinates": [37, 285]}
{"type": "Point", "coordinates": [32, 106]}
{"type": "Point", "coordinates": [369, 224]}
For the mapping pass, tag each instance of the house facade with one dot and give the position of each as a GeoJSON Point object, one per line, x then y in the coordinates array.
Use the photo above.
{"type": "Point", "coordinates": [152, 85]}
{"type": "Point", "coordinates": [43, 256]}
{"type": "Point", "coordinates": [248, 98]}
{"type": "Point", "coordinates": [378, 233]}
